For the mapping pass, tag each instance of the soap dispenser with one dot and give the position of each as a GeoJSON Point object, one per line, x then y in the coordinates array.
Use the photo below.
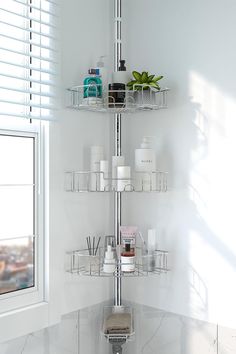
{"type": "Point", "coordinates": [103, 71]}
{"type": "Point", "coordinates": [109, 264]}
{"type": "Point", "coordinates": [121, 76]}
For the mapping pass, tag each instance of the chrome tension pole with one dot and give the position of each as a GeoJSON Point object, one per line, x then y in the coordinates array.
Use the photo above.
{"type": "Point", "coordinates": [117, 148]}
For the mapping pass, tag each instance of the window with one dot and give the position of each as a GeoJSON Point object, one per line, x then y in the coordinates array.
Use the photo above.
{"type": "Point", "coordinates": [22, 214]}
{"type": "Point", "coordinates": [18, 203]}
{"type": "Point", "coordinates": [28, 72]}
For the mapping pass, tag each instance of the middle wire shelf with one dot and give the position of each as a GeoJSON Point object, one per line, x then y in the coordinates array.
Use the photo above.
{"type": "Point", "coordinates": [89, 181]}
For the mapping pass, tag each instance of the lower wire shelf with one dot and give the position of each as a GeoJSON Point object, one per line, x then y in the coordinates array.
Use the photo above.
{"type": "Point", "coordinates": [81, 263]}
{"type": "Point", "coordinates": [118, 324]}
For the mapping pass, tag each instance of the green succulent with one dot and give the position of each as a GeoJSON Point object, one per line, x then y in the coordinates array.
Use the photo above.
{"type": "Point", "coordinates": [144, 79]}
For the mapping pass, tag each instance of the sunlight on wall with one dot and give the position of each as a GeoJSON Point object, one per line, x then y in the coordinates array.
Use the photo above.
{"type": "Point", "coordinates": [212, 191]}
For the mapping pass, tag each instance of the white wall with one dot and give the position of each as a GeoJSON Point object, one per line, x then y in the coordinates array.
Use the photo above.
{"type": "Point", "coordinates": [191, 44]}
{"type": "Point", "coordinates": [84, 37]}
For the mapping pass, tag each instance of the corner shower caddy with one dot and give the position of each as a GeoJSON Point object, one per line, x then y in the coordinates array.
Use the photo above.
{"type": "Point", "coordinates": [81, 262]}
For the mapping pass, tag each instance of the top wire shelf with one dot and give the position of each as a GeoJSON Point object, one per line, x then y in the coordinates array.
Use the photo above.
{"type": "Point", "coordinates": [141, 98]}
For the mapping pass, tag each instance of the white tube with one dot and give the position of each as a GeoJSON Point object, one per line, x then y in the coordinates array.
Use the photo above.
{"type": "Point", "coordinates": [124, 178]}
{"type": "Point", "coordinates": [96, 155]}
{"type": "Point", "coordinates": [104, 165]}
{"type": "Point", "coordinates": [116, 161]}
{"type": "Point", "coordinates": [151, 249]}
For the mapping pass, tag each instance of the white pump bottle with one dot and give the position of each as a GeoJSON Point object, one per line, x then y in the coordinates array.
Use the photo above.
{"type": "Point", "coordinates": [103, 71]}
{"type": "Point", "coordinates": [109, 265]}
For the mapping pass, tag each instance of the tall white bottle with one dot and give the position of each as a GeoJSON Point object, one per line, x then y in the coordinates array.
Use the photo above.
{"type": "Point", "coordinates": [109, 264]}
{"type": "Point", "coordinates": [104, 183]}
{"type": "Point", "coordinates": [96, 155]}
{"type": "Point", "coordinates": [145, 164]}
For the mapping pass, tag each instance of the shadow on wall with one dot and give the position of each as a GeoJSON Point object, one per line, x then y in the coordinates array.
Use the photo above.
{"type": "Point", "coordinates": [202, 215]}
{"type": "Point", "coordinates": [198, 135]}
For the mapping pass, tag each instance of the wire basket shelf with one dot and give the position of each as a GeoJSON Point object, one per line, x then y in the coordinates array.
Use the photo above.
{"type": "Point", "coordinates": [118, 324]}
{"type": "Point", "coordinates": [80, 262]}
{"type": "Point", "coordinates": [87, 181]}
{"type": "Point", "coordinates": [142, 97]}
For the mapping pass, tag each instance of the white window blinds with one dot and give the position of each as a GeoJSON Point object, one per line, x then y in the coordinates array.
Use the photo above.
{"type": "Point", "coordinates": [28, 58]}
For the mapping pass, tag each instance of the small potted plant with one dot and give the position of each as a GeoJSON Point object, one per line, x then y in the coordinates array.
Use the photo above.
{"type": "Point", "coordinates": [145, 86]}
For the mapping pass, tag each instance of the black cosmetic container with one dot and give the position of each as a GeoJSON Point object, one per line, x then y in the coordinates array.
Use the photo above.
{"type": "Point", "coordinates": [116, 95]}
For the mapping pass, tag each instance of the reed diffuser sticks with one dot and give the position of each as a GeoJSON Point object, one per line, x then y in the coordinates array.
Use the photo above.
{"type": "Point", "coordinates": [92, 247]}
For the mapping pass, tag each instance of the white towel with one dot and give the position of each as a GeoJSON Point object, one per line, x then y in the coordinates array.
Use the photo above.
{"type": "Point", "coordinates": [118, 323]}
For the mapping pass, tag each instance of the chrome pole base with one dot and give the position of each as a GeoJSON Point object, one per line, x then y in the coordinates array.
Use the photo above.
{"type": "Point", "coordinates": [117, 345]}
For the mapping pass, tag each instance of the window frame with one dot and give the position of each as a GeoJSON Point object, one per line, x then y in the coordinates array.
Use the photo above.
{"type": "Point", "coordinates": [21, 298]}
{"type": "Point", "coordinates": [25, 314]}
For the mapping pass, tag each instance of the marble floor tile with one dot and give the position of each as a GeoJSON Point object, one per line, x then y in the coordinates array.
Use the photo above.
{"type": "Point", "coordinates": [59, 339]}
{"type": "Point", "coordinates": [167, 333]}
{"type": "Point", "coordinates": [91, 339]}
{"type": "Point", "coordinates": [156, 332]}
{"type": "Point", "coordinates": [63, 338]}
{"type": "Point", "coordinates": [13, 346]}
{"type": "Point", "coordinates": [198, 337]}
{"type": "Point", "coordinates": [24, 345]}
{"type": "Point", "coordinates": [227, 340]}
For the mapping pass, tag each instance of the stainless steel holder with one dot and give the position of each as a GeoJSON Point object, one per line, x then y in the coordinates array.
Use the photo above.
{"type": "Point", "coordinates": [89, 181]}
{"type": "Point", "coordinates": [80, 262]}
{"type": "Point", "coordinates": [116, 337]}
{"type": "Point", "coordinates": [142, 97]}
